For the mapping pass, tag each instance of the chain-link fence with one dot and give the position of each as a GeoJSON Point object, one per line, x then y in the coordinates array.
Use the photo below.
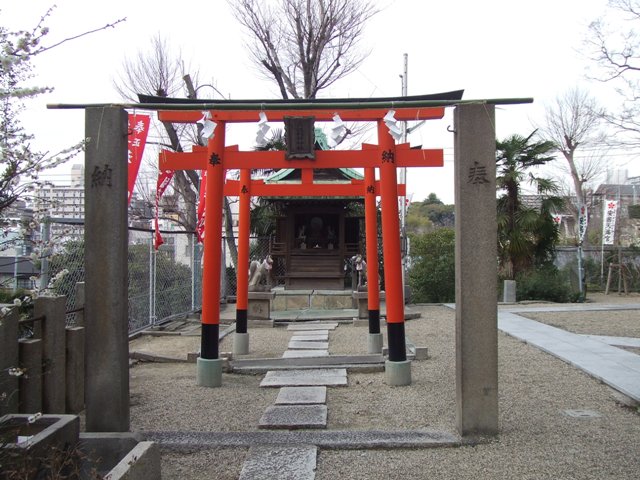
{"type": "Point", "coordinates": [161, 283]}
{"type": "Point", "coordinates": [167, 282]}
{"type": "Point", "coordinates": [258, 251]}
{"type": "Point", "coordinates": [617, 266]}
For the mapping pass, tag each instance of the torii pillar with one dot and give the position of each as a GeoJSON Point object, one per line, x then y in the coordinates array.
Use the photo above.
{"type": "Point", "coordinates": [397, 367]}
{"type": "Point", "coordinates": [209, 365]}
{"type": "Point", "coordinates": [241, 336]}
{"type": "Point", "coordinates": [373, 285]}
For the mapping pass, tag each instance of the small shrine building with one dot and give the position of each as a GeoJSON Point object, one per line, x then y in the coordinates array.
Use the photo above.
{"type": "Point", "coordinates": [316, 237]}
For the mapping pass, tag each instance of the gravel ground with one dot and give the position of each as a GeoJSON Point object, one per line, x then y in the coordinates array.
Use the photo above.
{"type": "Point", "coordinates": [537, 440]}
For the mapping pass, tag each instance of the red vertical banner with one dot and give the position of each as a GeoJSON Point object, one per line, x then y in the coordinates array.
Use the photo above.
{"type": "Point", "coordinates": [201, 203]}
{"type": "Point", "coordinates": [164, 179]}
{"type": "Point", "coordinates": [138, 131]}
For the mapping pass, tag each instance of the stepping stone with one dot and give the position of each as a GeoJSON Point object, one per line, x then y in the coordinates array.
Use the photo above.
{"type": "Point", "coordinates": [313, 326]}
{"type": "Point", "coordinates": [310, 332]}
{"type": "Point", "coordinates": [331, 377]}
{"type": "Point", "coordinates": [294, 416]}
{"type": "Point", "coordinates": [282, 462]}
{"type": "Point", "coordinates": [305, 353]}
{"type": "Point", "coordinates": [294, 345]}
{"type": "Point", "coordinates": [310, 338]}
{"type": "Point", "coordinates": [302, 396]}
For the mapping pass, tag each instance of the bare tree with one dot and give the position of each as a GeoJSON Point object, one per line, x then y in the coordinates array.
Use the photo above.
{"type": "Point", "coordinates": [573, 122]}
{"type": "Point", "coordinates": [161, 73]}
{"type": "Point", "coordinates": [614, 46]}
{"type": "Point", "coordinates": [305, 46]}
{"type": "Point", "coordinates": [158, 72]}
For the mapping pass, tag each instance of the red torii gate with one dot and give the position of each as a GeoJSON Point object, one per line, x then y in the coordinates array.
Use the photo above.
{"type": "Point", "coordinates": [386, 156]}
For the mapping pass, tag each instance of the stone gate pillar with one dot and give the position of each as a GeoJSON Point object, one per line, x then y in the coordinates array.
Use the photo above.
{"type": "Point", "coordinates": [476, 270]}
{"type": "Point", "coordinates": [106, 239]}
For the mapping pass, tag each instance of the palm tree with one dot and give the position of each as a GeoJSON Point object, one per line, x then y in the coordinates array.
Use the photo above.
{"type": "Point", "coordinates": [264, 212]}
{"type": "Point", "coordinates": [526, 235]}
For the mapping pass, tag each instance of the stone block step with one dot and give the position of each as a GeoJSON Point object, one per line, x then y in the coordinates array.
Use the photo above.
{"type": "Point", "coordinates": [281, 462]}
{"type": "Point", "coordinates": [330, 439]}
{"type": "Point", "coordinates": [301, 396]}
{"type": "Point", "coordinates": [353, 362]}
{"type": "Point", "coordinates": [305, 353]}
{"type": "Point", "coordinates": [295, 345]}
{"type": "Point", "coordinates": [313, 326]}
{"type": "Point", "coordinates": [334, 377]}
{"type": "Point", "coordinates": [310, 338]}
{"type": "Point", "coordinates": [310, 332]}
{"type": "Point", "coordinates": [292, 417]}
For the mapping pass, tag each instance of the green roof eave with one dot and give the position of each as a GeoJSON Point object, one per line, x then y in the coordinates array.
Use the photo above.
{"type": "Point", "coordinates": [280, 175]}
{"type": "Point", "coordinates": [351, 199]}
{"type": "Point", "coordinates": [351, 173]}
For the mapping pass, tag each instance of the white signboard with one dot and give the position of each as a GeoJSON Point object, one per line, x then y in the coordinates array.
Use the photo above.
{"type": "Point", "coordinates": [583, 221]}
{"type": "Point", "coordinates": [609, 222]}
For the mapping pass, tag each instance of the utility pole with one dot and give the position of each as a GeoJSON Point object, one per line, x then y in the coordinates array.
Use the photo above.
{"type": "Point", "coordinates": [403, 180]}
{"type": "Point", "coordinates": [46, 252]}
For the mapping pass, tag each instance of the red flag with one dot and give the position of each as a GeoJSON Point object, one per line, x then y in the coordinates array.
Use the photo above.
{"type": "Point", "coordinates": [164, 179]}
{"type": "Point", "coordinates": [138, 128]}
{"type": "Point", "coordinates": [203, 194]}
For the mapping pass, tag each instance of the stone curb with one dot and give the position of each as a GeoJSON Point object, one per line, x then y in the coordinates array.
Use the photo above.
{"type": "Point", "coordinates": [333, 439]}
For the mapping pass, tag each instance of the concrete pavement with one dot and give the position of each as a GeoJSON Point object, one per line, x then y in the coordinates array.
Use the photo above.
{"type": "Point", "coordinates": [613, 366]}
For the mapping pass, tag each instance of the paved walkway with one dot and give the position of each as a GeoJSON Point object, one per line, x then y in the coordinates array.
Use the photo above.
{"type": "Point", "coordinates": [301, 404]}
{"type": "Point", "coordinates": [613, 366]}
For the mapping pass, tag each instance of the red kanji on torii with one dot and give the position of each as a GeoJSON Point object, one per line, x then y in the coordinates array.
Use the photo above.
{"type": "Point", "coordinates": [385, 156]}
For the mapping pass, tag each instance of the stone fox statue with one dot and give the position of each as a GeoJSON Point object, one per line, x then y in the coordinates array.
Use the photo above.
{"type": "Point", "coordinates": [260, 274]}
{"type": "Point", "coordinates": [359, 267]}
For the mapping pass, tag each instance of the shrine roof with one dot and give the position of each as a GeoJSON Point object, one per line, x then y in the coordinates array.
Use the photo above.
{"type": "Point", "coordinates": [347, 174]}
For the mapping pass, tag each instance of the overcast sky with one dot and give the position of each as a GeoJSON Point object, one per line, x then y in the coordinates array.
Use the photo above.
{"type": "Point", "coordinates": [492, 49]}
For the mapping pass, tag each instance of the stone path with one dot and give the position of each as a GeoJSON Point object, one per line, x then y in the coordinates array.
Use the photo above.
{"type": "Point", "coordinates": [334, 377]}
{"type": "Point", "coordinates": [291, 417]}
{"type": "Point", "coordinates": [613, 366]}
{"type": "Point", "coordinates": [598, 357]}
{"type": "Point", "coordinates": [300, 404]}
{"type": "Point", "coordinates": [616, 341]}
{"type": "Point", "coordinates": [281, 462]}
{"type": "Point", "coordinates": [302, 396]}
